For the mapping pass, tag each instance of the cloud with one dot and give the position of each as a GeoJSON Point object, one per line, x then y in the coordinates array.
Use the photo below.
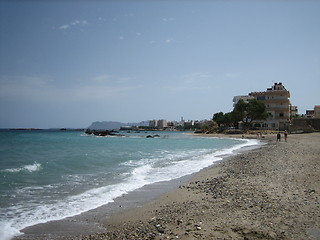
{"type": "Point", "coordinates": [66, 26]}
{"type": "Point", "coordinates": [77, 22]}
{"type": "Point", "coordinates": [165, 20]}
{"type": "Point", "coordinates": [73, 24]}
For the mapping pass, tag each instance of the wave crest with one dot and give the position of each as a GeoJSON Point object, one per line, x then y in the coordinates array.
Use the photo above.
{"type": "Point", "coordinates": [29, 168]}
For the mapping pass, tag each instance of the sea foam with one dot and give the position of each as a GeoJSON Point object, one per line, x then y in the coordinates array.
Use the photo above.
{"type": "Point", "coordinates": [29, 168]}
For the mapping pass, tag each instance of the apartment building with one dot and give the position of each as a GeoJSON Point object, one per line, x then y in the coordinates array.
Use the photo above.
{"type": "Point", "coordinates": [162, 123]}
{"type": "Point", "coordinates": [153, 123]}
{"type": "Point", "coordinates": [277, 103]}
{"type": "Point", "coordinates": [245, 98]}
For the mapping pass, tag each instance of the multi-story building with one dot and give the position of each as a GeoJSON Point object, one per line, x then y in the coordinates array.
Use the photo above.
{"type": "Point", "coordinates": [153, 123]}
{"type": "Point", "coordinates": [162, 123]}
{"type": "Point", "coordinates": [277, 103]}
{"type": "Point", "coordinates": [245, 98]}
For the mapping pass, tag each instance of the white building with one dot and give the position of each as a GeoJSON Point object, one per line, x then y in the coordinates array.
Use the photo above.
{"type": "Point", "coordinates": [245, 98]}
{"type": "Point", "coordinates": [162, 123]}
{"type": "Point", "coordinates": [153, 123]}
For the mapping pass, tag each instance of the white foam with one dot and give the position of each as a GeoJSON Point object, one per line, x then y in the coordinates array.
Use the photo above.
{"type": "Point", "coordinates": [29, 168]}
{"type": "Point", "coordinates": [7, 232]}
{"type": "Point", "coordinates": [32, 214]}
{"type": "Point", "coordinates": [32, 168]}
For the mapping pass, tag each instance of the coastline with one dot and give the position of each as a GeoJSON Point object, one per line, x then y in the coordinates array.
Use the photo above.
{"type": "Point", "coordinates": [266, 193]}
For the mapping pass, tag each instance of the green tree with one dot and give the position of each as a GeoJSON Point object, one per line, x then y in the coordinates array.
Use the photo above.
{"type": "Point", "coordinates": [223, 119]}
{"type": "Point", "coordinates": [227, 119]}
{"type": "Point", "coordinates": [238, 113]}
{"type": "Point", "coordinates": [249, 112]}
{"type": "Point", "coordinates": [218, 118]}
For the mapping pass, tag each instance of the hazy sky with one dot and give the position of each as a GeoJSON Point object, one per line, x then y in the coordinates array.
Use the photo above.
{"type": "Point", "coordinates": [69, 63]}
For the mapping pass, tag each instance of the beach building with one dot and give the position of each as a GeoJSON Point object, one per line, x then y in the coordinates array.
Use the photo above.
{"type": "Point", "coordinates": [277, 103]}
{"type": "Point", "coordinates": [245, 98]}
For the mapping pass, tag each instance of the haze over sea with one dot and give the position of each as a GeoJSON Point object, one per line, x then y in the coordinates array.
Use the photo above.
{"type": "Point", "coordinates": [50, 175]}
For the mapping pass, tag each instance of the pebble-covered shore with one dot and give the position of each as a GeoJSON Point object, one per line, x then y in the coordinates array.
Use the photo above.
{"type": "Point", "coordinates": [267, 193]}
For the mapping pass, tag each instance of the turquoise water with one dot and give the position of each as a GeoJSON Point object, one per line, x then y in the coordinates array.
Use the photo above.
{"type": "Point", "coordinates": [50, 175]}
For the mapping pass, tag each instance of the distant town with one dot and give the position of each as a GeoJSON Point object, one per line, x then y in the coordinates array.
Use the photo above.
{"type": "Point", "coordinates": [277, 114]}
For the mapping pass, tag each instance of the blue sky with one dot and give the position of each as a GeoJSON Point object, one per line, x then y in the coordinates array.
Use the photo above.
{"type": "Point", "coordinates": [69, 63]}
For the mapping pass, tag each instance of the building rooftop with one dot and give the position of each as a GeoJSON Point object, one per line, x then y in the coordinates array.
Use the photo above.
{"type": "Point", "coordinates": [276, 88]}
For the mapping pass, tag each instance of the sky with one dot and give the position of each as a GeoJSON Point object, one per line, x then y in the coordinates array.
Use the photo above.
{"type": "Point", "coordinates": [70, 63]}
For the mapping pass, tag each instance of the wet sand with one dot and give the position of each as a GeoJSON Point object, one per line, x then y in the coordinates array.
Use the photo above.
{"type": "Point", "coordinates": [267, 193]}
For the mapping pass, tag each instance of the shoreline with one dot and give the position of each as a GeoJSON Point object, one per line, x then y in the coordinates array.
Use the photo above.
{"type": "Point", "coordinates": [92, 221]}
{"type": "Point", "coordinates": [267, 193]}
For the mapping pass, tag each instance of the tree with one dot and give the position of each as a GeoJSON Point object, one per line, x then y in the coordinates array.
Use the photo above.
{"type": "Point", "coordinates": [223, 118]}
{"type": "Point", "coordinates": [227, 119]}
{"type": "Point", "coordinates": [257, 110]}
{"type": "Point", "coordinates": [249, 112]}
{"type": "Point", "coordinates": [238, 113]}
{"type": "Point", "coordinates": [218, 118]}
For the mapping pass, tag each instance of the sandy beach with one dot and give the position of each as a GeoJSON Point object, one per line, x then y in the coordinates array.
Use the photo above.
{"type": "Point", "coordinates": [266, 193]}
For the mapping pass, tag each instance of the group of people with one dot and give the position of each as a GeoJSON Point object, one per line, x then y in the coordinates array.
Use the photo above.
{"type": "Point", "coordinates": [279, 136]}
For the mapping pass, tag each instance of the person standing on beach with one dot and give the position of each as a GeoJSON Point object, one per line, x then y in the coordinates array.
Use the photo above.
{"type": "Point", "coordinates": [285, 135]}
{"type": "Point", "coordinates": [278, 137]}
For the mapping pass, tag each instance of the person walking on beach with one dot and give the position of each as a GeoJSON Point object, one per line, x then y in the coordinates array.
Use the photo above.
{"type": "Point", "coordinates": [285, 135]}
{"type": "Point", "coordinates": [278, 137]}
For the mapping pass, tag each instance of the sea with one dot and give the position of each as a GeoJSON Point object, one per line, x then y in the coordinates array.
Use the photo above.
{"type": "Point", "coordinates": [50, 174]}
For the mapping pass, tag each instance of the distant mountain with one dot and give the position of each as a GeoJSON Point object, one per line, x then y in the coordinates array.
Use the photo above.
{"type": "Point", "coordinates": [109, 125]}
